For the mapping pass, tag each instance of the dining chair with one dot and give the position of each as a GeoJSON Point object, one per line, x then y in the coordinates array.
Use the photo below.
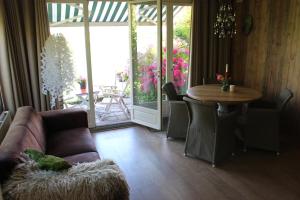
{"type": "Point", "coordinates": [206, 81]}
{"type": "Point", "coordinates": [262, 123]}
{"type": "Point", "coordinates": [178, 113]}
{"type": "Point", "coordinates": [210, 136]}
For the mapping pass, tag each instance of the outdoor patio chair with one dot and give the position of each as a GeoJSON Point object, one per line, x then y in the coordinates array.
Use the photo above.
{"type": "Point", "coordinates": [178, 114]}
{"type": "Point", "coordinates": [115, 96]}
{"type": "Point", "coordinates": [210, 136]}
{"type": "Point", "coordinates": [262, 120]}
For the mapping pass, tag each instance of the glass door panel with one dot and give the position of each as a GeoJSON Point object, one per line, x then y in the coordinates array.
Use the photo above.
{"type": "Point", "coordinates": [146, 56]}
{"type": "Point", "coordinates": [109, 33]}
{"type": "Point", "coordinates": [176, 45]}
{"type": "Point", "coordinates": [181, 46]}
{"type": "Point", "coordinates": [67, 18]}
{"type": "Point", "coordinates": [176, 49]}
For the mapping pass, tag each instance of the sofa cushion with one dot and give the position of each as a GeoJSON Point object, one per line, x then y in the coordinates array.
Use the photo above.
{"type": "Point", "coordinates": [59, 120]}
{"type": "Point", "coordinates": [25, 132]}
{"type": "Point", "coordinates": [27, 117]}
{"type": "Point", "coordinates": [19, 138]}
{"type": "Point", "coordinates": [70, 142]}
{"type": "Point", "coordinates": [82, 157]}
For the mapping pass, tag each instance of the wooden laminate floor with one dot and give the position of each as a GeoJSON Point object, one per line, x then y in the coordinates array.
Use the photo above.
{"type": "Point", "coordinates": [155, 169]}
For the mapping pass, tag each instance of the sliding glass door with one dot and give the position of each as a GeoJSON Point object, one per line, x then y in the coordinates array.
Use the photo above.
{"type": "Point", "coordinates": [123, 51]}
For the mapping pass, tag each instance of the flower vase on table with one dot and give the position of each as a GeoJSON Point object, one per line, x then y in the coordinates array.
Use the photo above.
{"type": "Point", "coordinates": [225, 86]}
{"type": "Point", "coordinates": [224, 80]}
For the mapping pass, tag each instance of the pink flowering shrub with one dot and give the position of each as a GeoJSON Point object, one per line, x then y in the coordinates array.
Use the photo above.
{"type": "Point", "coordinates": [148, 73]}
{"type": "Point", "coordinates": [148, 78]}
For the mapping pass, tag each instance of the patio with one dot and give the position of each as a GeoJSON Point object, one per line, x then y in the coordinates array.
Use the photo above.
{"type": "Point", "coordinates": [108, 111]}
{"type": "Point", "coordinates": [114, 116]}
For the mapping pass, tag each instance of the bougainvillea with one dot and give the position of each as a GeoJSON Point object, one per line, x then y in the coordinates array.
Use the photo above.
{"type": "Point", "coordinates": [148, 74]}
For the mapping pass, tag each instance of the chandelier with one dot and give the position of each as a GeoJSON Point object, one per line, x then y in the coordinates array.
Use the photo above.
{"type": "Point", "coordinates": [225, 25]}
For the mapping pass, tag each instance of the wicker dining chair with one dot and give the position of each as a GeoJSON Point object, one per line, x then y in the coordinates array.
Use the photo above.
{"type": "Point", "coordinates": [262, 123]}
{"type": "Point", "coordinates": [178, 114]}
{"type": "Point", "coordinates": [210, 137]}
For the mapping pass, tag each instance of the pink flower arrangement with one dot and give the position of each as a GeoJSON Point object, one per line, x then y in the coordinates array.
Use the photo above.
{"type": "Point", "coordinates": [224, 80]}
{"type": "Point", "coordinates": [220, 77]}
{"type": "Point", "coordinates": [82, 82]}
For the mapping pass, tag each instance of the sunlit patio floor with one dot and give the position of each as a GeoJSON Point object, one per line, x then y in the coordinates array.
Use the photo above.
{"type": "Point", "coordinates": [113, 116]}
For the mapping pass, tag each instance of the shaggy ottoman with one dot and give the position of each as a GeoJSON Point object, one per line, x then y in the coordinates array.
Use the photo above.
{"type": "Point", "coordinates": [101, 179]}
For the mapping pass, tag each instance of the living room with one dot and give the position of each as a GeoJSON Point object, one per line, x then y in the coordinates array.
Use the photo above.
{"type": "Point", "coordinates": [207, 106]}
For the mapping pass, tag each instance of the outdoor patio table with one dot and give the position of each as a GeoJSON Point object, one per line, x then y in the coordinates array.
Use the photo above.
{"type": "Point", "coordinates": [84, 97]}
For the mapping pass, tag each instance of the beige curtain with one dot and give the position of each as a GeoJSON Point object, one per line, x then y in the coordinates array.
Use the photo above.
{"type": "Point", "coordinates": [209, 54]}
{"type": "Point", "coordinates": [23, 31]}
{"type": "Point", "coordinates": [1, 100]}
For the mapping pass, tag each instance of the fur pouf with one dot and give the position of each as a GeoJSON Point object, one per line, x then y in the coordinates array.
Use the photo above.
{"type": "Point", "coordinates": [95, 180]}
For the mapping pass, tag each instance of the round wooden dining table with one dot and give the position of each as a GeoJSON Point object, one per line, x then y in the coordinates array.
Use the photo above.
{"type": "Point", "coordinates": [213, 93]}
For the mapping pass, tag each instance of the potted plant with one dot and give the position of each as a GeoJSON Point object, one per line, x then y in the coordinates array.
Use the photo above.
{"type": "Point", "coordinates": [122, 76]}
{"type": "Point", "coordinates": [82, 83]}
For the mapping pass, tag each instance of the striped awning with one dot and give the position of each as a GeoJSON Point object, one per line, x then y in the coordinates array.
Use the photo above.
{"type": "Point", "coordinates": [102, 12]}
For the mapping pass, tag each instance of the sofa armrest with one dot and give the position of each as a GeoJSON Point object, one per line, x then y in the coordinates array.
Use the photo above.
{"type": "Point", "coordinates": [59, 120]}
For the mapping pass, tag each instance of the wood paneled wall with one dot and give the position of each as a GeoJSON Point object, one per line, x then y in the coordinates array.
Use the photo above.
{"type": "Point", "coordinates": [268, 59]}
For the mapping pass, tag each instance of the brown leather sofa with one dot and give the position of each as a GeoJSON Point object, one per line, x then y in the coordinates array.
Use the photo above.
{"type": "Point", "coordinates": [61, 133]}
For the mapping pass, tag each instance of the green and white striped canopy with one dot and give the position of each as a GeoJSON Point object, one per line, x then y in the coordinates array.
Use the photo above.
{"type": "Point", "coordinates": [102, 12]}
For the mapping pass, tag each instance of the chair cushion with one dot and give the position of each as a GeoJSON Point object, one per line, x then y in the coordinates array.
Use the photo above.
{"type": "Point", "coordinates": [83, 157]}
{"type": "Point", "coordinates": [70, 142]}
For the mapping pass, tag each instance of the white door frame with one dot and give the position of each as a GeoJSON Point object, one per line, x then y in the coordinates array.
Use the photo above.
{"type": "Point", "coordinates": [141, 115]}
{"type": "Point", "coordinates": [91, 109]}
{"type": "Point", "coordinates": [169, 38]}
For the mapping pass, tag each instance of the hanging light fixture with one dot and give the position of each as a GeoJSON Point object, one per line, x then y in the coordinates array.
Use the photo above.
{"type": "Point", "coordinates": [225, 25]}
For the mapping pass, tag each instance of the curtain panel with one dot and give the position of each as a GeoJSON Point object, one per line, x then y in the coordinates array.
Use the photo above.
{"type": "Point", "coordinates": [209, 53]}
{"type": "Point", "coordinates": [23, 30]}
{"type": "Point", "coordinates": [1, 102]}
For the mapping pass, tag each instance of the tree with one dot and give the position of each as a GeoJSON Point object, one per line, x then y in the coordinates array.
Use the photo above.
{"type": "Point", "coordinates": [183, 26]}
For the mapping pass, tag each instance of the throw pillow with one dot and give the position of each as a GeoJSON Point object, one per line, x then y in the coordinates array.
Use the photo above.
{"type": "Point", "coordinates": [47, 162]}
